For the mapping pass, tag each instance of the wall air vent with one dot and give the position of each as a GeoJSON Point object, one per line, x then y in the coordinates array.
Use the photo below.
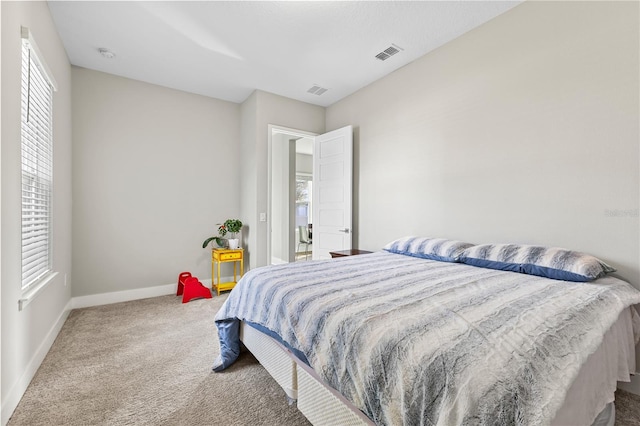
{"type": "Point", "coordinates": [389, 52]}
{"type": "Point", "coordinates": [317, 90]}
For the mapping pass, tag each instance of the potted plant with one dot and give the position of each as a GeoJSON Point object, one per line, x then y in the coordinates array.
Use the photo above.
{"type": "Point", "coordinates": [231, 226]}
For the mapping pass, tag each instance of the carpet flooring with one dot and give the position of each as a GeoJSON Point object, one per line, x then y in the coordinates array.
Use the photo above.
{"type": "Point", "coordinates": [147, 362]}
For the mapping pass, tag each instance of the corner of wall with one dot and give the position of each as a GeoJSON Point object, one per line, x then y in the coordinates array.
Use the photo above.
{"type": "Point", "coordinates": [248, 178]}
{"type": "Point", "coordinates": [12, 398]}
{"type": "Point", "coordinates": [27, 335]}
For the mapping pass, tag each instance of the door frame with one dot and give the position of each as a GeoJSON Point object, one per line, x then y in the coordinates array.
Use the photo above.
{"type": "Point", "coordinates": [271, 128]}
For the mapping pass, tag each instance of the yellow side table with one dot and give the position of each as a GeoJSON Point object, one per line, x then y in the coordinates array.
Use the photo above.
{"type": "Point", "coordinates": [220, 256]}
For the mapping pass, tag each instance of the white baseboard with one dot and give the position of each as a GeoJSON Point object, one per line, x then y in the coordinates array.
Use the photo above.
{"type": "Point", "coordinates": [633, 386]}
{"type": "Point", "coordinates": [122, 296]}
{"type": "Point", "coordinates": [15, 393]}
{"type": "Point", "coordinates": [134, 294]}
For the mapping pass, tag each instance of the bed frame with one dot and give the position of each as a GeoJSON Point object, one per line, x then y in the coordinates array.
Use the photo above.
{"type": "Point", "coordinates": [323, 405]}
{"type": "Point", "coordinates": [320, 404]}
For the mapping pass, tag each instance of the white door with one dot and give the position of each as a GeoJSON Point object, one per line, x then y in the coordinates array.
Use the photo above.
{"type": "Point", "coordinates": [332, 188]}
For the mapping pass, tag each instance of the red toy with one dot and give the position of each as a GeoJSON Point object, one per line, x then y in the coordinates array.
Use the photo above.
{"type": "Point", "coordinates": [183, 276]}
{"type": "Point", "coordinates": [190, 288]}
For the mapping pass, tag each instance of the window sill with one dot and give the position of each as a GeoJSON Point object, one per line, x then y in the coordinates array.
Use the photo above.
{"type": "Point", "coordinates": [30, 293]}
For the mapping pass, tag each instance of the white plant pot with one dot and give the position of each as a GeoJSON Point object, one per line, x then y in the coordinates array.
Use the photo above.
{"type": "Point", "coordinates": [234, 243]}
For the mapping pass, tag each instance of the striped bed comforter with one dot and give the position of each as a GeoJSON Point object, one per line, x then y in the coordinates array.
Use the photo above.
{"type": "Point", "coordinates": [413, 341]}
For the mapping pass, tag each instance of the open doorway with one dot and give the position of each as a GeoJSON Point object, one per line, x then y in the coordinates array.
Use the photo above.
{"type": "Point", "coordinates": [290, 195]}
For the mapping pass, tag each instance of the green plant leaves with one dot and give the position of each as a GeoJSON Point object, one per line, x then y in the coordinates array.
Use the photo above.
{"type": "Point", "coordinates": [219, 241]}
{"type": "Point", "coordinates": [232, 226]}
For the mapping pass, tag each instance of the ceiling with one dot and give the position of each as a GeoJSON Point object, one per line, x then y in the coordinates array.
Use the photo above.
{"type": "Point", "coordinates": [227, 49]}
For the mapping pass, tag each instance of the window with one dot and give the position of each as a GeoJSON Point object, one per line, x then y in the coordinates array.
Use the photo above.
{"type": "Point", "coordinates": [37, 164]}
{"type": "Point", "coordinates": [303, 200]}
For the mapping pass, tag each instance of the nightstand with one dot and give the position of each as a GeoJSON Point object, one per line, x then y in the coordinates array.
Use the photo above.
{"type": "Point", "coordinates": [351, 252]}
{"type": "Point", "coordinates": [220, 256]}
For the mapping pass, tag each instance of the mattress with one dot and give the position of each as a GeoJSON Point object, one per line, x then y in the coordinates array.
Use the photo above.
{"type": "Point", "coordinates": [589, 400]}
{"type": "Point", "coordinates": [465, 344]}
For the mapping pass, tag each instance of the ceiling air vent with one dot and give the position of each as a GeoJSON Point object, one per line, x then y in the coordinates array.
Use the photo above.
{"type": "Point", "coordinates": [317, 90]}
{"type": "Point", "coordinates": [388, 52]}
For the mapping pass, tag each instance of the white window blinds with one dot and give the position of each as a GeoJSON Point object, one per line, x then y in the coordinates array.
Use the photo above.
{"type": "Point", "coordinates": [37, 166]}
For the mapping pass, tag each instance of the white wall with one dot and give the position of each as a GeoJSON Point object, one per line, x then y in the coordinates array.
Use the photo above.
{"type": "Point", "coordinates": [258, 111]}
{"type": "Point", "coordinates": [284, 168]}
{"type": "Point", "coordinates": [0, 213]}
{"type": "Point", "coordinates": [154, 171]}
{"type": "Point", "coordinates": [28, 334]}
{"type": "Point", "coordinates": [523, 130]}
{"type": "Point", "coordinates": [282, 212]}
{"type": "Point", "coordinates": [304, 163]}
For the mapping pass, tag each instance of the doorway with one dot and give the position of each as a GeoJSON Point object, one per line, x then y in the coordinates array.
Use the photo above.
{"type": "Point", "coordinates": [290, 236]}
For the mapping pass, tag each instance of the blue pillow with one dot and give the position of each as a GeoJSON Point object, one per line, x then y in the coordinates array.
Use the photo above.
{"type": "Point", "coordinates": [549, 262]}
{"type": "Point", "coordinates": [428, 248]}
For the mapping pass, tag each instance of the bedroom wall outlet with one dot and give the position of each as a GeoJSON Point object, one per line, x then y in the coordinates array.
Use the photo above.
{"type": "Point", "coordinates": [263, 217]}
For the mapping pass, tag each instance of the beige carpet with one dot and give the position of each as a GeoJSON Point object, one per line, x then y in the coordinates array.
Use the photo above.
{"type": "Point", "coordinates": [148, 362]}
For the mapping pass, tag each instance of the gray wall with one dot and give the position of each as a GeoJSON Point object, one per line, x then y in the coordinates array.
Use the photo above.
{"type": "Point", "coordinates": [523, 130]}
{"type": "Point", "coordinates": [23, 332]}
{"type": "Point", "coordinates": [154, 170]}
{"type": "Point", "coordinates": [258, 111]}
{"type": "Point", "coordinates": [248, 135]}
{"type": "Point", "coordinates": [282, 212]}
{"type": "Point", "coordinates": [304, 163]}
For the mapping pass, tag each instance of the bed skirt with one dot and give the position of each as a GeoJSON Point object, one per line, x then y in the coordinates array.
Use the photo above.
{"type": "Point", "coordinates": [323, 405]}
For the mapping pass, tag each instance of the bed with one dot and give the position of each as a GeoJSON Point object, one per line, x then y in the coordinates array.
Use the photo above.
{"type": "Point", "coordinates": [403, 338]}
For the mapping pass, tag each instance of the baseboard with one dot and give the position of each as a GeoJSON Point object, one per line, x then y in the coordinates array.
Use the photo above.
{"type": "Point", "coordinates": [15, 393]}
{"type": "Point", "coordinates": [122, 296]}
{"type": "Point", "coordinates": [128, 295]}
{"type": "Point", "coordinates": [633, 386]}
